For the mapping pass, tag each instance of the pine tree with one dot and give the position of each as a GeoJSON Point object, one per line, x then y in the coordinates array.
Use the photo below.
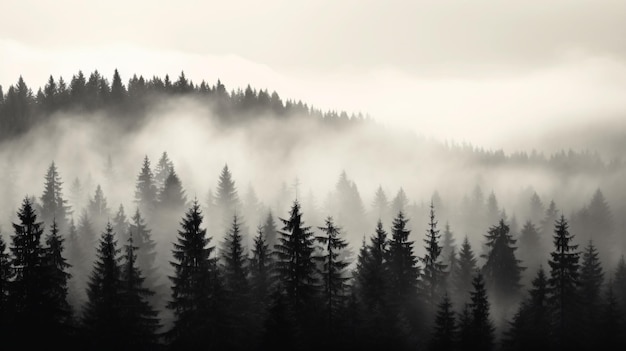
{"type": "Point", "coordinates": [462, 279]}
{"type": "Point", "coordinates": [105, 307]}
{"type": "Point", "coordinates": [98, 210]}
{"type": "Point", "coordinates": [146, 190]}
{"type": "Point", "coordinates": [482, 329]}
{"type": "Point", "coordinates": [118, 91]}
{"type": "Point", "coordinates": [433, 273]}
{"type": "Point", "coordinates": [373, 271]}
{"type": "Point", "coordinates": [380, 207]}
{"type": "Point", "coordinates": [146, 254]}
{"type": "Point", "coordinates": [56, 310]}
{"type": "Point", "coordinates": [226, 197]}
{"type": "Point", "coordinates": [172, 197]}
{"type": "Point", "coordinates": [235, 273]}
{"type": "Point", "coordinates": [53, 205]}
{"type": "Point", "coordinates": [399, 202]}
{"type": "Point", "coordinates": [537, 209]}
{"type": "Point", "coordinates": [120, 224]}
{"type": "Point", "coordinates": [261, 265]}
{"type": "Point", "coordinates": [448, 246]}
{"type": "Point", "coordinates": [530, 246]}
{"type": "Point", "coordinates": [139, 319]}
{"type": "Point", "coordinates": [192, 282]}
{"type": "Point", "coordinates": [269, 230]}
{"type": "Point", "coordinates": [294, 260]}
{"type": "Point", "coordinates": [402, 263]}
{"type": "Point", "coordinates": [502, 270]}
{"type": "Point", "coordinates": [563, 285]}
{"type": "Point", "coordinates": [332, 272]}
{"type": "Point", "coordinates": [591, 278]}
{"type": "Point", "coordinates": [531, 324]}
{"type": "Point", "coordinates": [27, 288]}
{"type": "Point", "coordinates": [443, 338]}
{"type": "Point", "coordinates": [162, 170]}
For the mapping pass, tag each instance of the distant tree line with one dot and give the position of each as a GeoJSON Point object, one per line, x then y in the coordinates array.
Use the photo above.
{"type": "Point", "coordinates": [129, 105]}
{"type": "Point", "coordinates": [106, 283]}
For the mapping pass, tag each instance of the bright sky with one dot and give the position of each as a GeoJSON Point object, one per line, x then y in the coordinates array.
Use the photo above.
{"type": "Point", "coordinates": [479, 71]}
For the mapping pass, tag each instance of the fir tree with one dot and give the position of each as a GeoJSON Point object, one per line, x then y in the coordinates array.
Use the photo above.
{"type": "Point", "coordinates": [482, 329]}
{"type": "Point", "coordinates": [380, 207]}
{"type": "Point", "coordinates": [270, 230]}
{"type": "Point", "coordinates": [448, 246]}
{"type": "Point", "coordinates": [373, 271]}
{"type": "Point", "coordinates": [162, 170]}
{"type": "Point", "coordinates": [172, 197]}
{"type": "Point", "coordinates": [462, 279]}
{"type": "Point", "coordinates": [502, 269]}
{"type": "Point", "coordinates": [443, 338]}
{"type": "Point", "coordinates": [98, 209]}
{"type": "Point", "coordinates": [531, 324]}
{"type": "Point", "coordinates": [192, 282]}
{"type": "Point", "coordinates": [530, 246]}
{"type": "Point", "coordinates": [146, 190]}
{"type": "Point", "coordinates": [139, 319]}
{"type": "Point", "coordinates": [332, 271]}
{"type": "Point", "coordinates": [402, 263]}
{"type": "Point", "coordinates": [294, 260]}
{"type": "Point", "coordinates": [226, 197]}
{"type": "Point", "coordinates": [146, 254]}
{"type": "Point", "coordinates": [57, 311]}
{"type": "Point", "coordinates": [399, 202]}
{"type": "Point", "coordinates": [105, 307]}
{"type": "Point", "coordinates": [433, 273]}
{"type": "Point", "coordinates": [260, 270]}
{"type": "Point", "coordinates": [563, 285]}
{"type": "Point", "coordinates": [591, 278]}
{"type": "Point", "coordinates": [53, 205]}
{"type": "Point", "coordinates": [120, 223]}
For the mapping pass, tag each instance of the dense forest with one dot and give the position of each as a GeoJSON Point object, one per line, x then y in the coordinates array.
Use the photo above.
{"type": "Point", "coordinates": [107, 260]}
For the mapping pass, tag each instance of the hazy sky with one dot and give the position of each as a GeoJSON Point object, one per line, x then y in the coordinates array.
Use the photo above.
{"type": "Point", "coordinates": [481, 71]}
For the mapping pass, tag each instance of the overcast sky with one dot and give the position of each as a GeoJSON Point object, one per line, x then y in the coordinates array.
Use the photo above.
{"type": "Point", "coordinates": [478, 71]}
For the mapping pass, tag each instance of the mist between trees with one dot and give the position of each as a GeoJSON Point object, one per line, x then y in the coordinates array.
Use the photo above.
{"type": "Point", "coordinates": [251, 232]}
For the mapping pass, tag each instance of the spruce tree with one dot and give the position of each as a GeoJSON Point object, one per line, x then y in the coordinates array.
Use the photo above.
{"type": "Point", "coordinates": [57, 311]}
{"type": "Point", "coordinates": [482, 329]}
{"type": "Point", "coordinates": [192, 283]}
{"type": "Point", "coordinates": [502, 270]}
{"type": "Point", "coordinates": [448, 245]}
{"type": "Point", "coordinates": [98, 209]}
{"type": "Point", "coordinates": [120, 224]}
{"type": "Point", "coordinates": [563, 285]}
{"type": "Point", "coordinates": [380, 206]}
{"type": "Point", "coordinates": [269, 230]}
{"type": "Point", "coordinates": [261, 264]}
{"type": "Point", "coordinates": [611, 323]}
{"type": "Point", "coordinates": [531, 324]}
{"type": "Point", "coordinates": [433, 273]}
{"type": "Point", "coordinates": [402, 263]}
{"type": "Point", "coordinates": [146, 190]}
{"type": "Point", "coordinates": [139, 319]}
{"type": "Point", "coordinates": [463, 276]}
{"type": "Point", "coordinates": [226, 197]}
{"type": "Point", "coordinates": [146, 252]}
{"type": "Point", "coordinates": [372, 277]}
{"type": "Point", "coordinates": [172, 196]}
{"type": "Point", "coordinates": [531, 248]}
{"type": "Point", "coordinates": [591, 278]}
{"type": "Point", "coordinates": [162, 170]}
{"type": "Point", "coordinates": [53, 205]}
{"type": "Point", "coordinates": [294, 260]}
{"type": "Point", "coordinates": [332, 272]}
{"type": "Point", "coordinates": [105, 307]}
{"type": "Point", "coordinates": [445, 329]}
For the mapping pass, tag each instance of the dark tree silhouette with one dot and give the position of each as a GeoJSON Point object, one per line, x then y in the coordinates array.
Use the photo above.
{"type": "Point", "coordinates": [563, 285]}
{"type": "Point", "coordinates": [270, 230]}
{"type": "Point", "coordinates": [53, 205]}
{"type": "Point", "coordinates": [591, 279]}
{"type": "Point", "coordinates": [139, 319]}
{"type": "Point", "coordinates": [146, 190]}
{"type": "Point", "coordinates": [226, 198]}
{"type": "Point", "coordinates": [105, 307]}
{"type": "Point", "coordinates": [433, 272]}
{"type": "Point", "coordinates": [482, 330]}
{"type": "Point", "coordinates": [403, 270]}
{"type": "Point", "coordinates": [444, 334]}
{"type": "Point", "coordinates": [261, 265]}
{"type": "Point", "coordinates": [462, 278]}
{"type": "Point", "coordinates": [192, 285]}
{"type": "Point", "coordinates": [332, 270]}
{"type": "Point", "coordinates": [502, 270]}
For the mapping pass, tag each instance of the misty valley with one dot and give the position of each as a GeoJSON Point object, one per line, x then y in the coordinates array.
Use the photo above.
{"type": "Point", "coordinates": [164, 214]}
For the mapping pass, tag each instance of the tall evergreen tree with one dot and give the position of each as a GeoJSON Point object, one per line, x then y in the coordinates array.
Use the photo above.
{"type": "Point", "coordinates": [619, 283]}
{"type": "Point", "coordinates": [226, 197]}
{"type": "Point", "coordinates": [402, 263]}
{"type": "Point", "coordinates": [192, 283]}
{"type": "Point", "coordinates": [53, 205]}
{"type": "Point", "coordinates": [57, 311]}
{"type": "Point", "coordinates": [146, 190]}
{"type": "Point", "coordinates": [332, 272]}
{"type": "Point", "coordinates": [531, 324]}
{"type": "Point", "coordinates": [482, 329]}
{"type": "Point", "coordinates": [563, 285]}
{"type": "Point", "coordinates": [531, 250]}
{"type": "Point", "coordinates": [270, 230]}
{"type": "Point", "coordinates": [448, 245]}
{"type": "Point", "coordinates": [433, 273]}
{"type": "Point", "coordinates": [294, 260]}
{"type": "Point", "coordinates": [105, 307]}
{"type": "Point", "coordinates": [261, 264]}
{"type": "Point", "coordinates": [591, 278]}
{"type": "Point", "coordinates": [172, 197]}
{"type": "Point", "coordinates": [462, 279]}
{"type": "Point", "coordinates": [139, 319]}
{"type": "Point", "coordinates": [146, 252]}
{"type": "Point", "coordinates": [612, 322]}
{"type": "Point", "coordinates": [502, 270]}
{"type": "Point", "coordinates": [380, 206]}
{"type": "Point", "coordinates": [120, 223]}
{"type": "Point", "coordinates": [399, 202]}
{"type": "Point", "coordinates": [372, 276]}
{"type": "Point", "coordinates": [444, 333]}
{"type": "Point", "coordinates": [6, 276]}
{"type": "Point", "coordinates": [162, 170]}
{"type": "Point", "coordinates": [98, 209]}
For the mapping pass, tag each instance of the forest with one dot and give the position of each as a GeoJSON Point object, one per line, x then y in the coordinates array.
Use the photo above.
{"type": "Point", "coordinates": [105, 247]}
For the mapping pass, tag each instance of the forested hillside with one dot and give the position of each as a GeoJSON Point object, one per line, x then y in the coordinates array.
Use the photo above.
{"type": "Point", "coordinates": [163, 214]}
